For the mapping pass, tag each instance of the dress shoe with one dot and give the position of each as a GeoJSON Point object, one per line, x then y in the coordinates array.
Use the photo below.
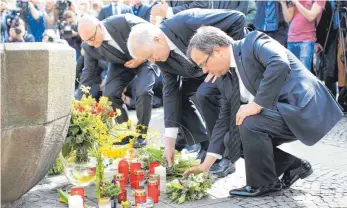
{"type": "Point", "coordinates": [201, 155]}
{"type": "Point", "coordinates": [223, 168]}
{"type": "Point", "coordinates": [192, 148]}
{"type": "Point", "coordinates": [250, 191]}
{"type": "Point", "coordinates": [292, 175]}
{"type": "Point", "coordinates": [140, 142]}
{"type": "Point", "coordinates": [124, 141]}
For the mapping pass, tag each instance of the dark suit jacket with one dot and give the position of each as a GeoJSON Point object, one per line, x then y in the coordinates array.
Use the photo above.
{"type": "Point", "coordinates": [178, 5]}
{"type": "Point", "coordinates": [241, 6]}
{"type": "Point", "coordinates": [179, 29]}
{"type": "Point", "coordinates": [145, 11]}
{"type": "Point", "coordinates": [107, 11]}
{"type": "Point", "coordinates": [278, 80]}
{"type": "Point", "coordinates": [119, 27]}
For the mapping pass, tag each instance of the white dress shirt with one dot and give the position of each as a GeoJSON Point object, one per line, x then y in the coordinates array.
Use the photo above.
{"type": "Point", "coordinates": [116, 9]}
{"type": "Point", "coordinates": [110, 40]}
{"type": "Point", "coordinates": [245, 95]}
{"type": "Point", "coordinates": [173, 131]}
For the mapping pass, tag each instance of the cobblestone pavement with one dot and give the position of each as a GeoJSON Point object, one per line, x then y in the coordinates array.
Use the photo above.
{"type": "Point", "coordinates": [326, 187]}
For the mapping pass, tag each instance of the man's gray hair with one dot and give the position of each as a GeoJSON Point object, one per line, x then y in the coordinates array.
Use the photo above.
{"type": "Point", "coordinates": [207, 38]}
{"type": "Point", "coordinates": [142, 37]}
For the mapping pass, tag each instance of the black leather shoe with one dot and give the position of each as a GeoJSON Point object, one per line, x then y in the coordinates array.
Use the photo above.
{"type": "Point", "coordinates": [223, 168]}
{"type": "Point", "coordinates": [249, 191]}
{"type": "Point", "coordinates": [139, 142]}
{"type": "Point", "coordinates": [292, 175]}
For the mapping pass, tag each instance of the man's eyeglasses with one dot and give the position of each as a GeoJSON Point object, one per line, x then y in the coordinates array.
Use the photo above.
{"type": "Point", "coordinates": [91, 39]}
{"type": "Point", "coordinates": [205, 63]}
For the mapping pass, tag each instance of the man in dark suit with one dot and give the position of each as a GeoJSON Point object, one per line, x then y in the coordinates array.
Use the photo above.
{"type": "Point", "coordinates": [106, 40]}
{"type": "Point", "coordinates": [167, 9]}
{"type": "Point", "coordinates": [281, 101]}
{"type": "Point", "coordinates": [141, 9]}
{"type": "Point", "coordinates": [114, 8]}
{"type": "Point", "coordinates": [182, 79]}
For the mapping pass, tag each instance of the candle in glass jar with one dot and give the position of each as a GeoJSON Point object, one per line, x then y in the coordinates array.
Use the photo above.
{"type": "Point", "coordinates": [153, 190]}
{"type": "Point", "coordinates": [104, 203]}
{"type": "Point", "coordinates": [75, 201]}
{"type": "Point", "coordinates": [133, 166]}
{"type": "Point", "coordinates": [155, 177]}
{"type": "Point", "coordinates": [123, 167]}
{"type": "Point", "coordinates": [161, 171]}
{"type": "Point", "coordinates": [152, 165]}
{"type": "Point", "coordinates": [119, 178]}
{"type": "Point", "coordinates": [79, 191]}
{"type": "Point", "coordinates": [140, 196]}
{"type": "Point", "coordinates": [139, 179]}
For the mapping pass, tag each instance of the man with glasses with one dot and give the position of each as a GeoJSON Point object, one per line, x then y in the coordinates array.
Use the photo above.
{"type": "Point", "coordinates": [106, 41]}
{"type": "Point", "coordinates": [268, 98]}
{"type": "Point", "coordinates": [166, 46]}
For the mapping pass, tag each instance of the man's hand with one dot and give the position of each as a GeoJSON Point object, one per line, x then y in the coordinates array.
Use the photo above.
{"type": "Point", "coordinates": [160, 10]}
{"type": "Point", "coordinates": [133, 63]}
{"type": "Point", "coordinates": [169, 152]}
{"type": "Point", "coordinates": [247, 110]}
{"type": "Point", "coordinates": [204, 167]}
{"type": "Point", "coordinates": [210, 77]}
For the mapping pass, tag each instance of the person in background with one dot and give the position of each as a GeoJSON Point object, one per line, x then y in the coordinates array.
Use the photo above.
{"type": "Point", "coordinates": [114, 8]}
{"type": "Point", "coordinates": [303, 16]}
{"type": "Point", "coordinates": [18, 33]}
{"type": "Point", "coordinates": [141, 9]}
{"type": "Point", "coordinates": [35, 20]}
{"type": "Point", "coordinates": [69, 32]}
{"type": "Point", "coordinates": [96, 8]}
{"type": "Point", "coordinates": [50, 17]}
{"type": "Point", "coordinates": [241, 6]}
{"type": "Point", "coordinates": [84, 8]}
{"type": "Point", "coordinates": [3, 27]}
{"type": "Point", "coordinates": [269, 19]}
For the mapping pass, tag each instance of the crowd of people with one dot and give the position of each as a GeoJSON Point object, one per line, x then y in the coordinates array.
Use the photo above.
{"type": "Point", "coordinates": [236, 78]}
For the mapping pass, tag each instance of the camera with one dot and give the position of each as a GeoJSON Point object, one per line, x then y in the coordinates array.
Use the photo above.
{"type": "Point", "coordinates": [13, 21]}
{"type": "Point", "coordinates": [22, 5]}
{"type": "Point", "coordinates": [66, 29]}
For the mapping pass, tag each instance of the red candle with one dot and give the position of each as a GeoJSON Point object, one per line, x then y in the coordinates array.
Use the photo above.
{"type": "Point", "coordinates": [152, 165]}
{"type": "Point", "coordinates": [119, 178]}
{"type": "Point", "coordinates": [140, 196]}
{"type": "Point", "coordinates": [153, 190]}
{"type": "Point", "coordinates": [123, 167]}
{"type": "Point", "coordinates": [77, 191]}
{"type": "Point", "coordinates": [155, 177]}
{"type": "Point", "coordinates": [139, 179]}
{"type": "Point", "coordinates": [134, 166]}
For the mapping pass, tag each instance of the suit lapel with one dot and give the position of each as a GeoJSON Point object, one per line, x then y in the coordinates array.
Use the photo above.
{"type": "Point", "coordinates": [120, 40]}
{"type": "Point", "coordinates": [236, 45]}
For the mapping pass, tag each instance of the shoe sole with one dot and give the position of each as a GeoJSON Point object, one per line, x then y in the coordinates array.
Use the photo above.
{"type": "Point", "coordinates": [273, 193]}
{"type": "Point", "coordinates": [225, 173]}
{"type": "Point", "coordinates": [302, 176]}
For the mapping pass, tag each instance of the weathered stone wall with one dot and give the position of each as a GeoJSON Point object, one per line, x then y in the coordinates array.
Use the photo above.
{"type": "Point", "coordinates": [37, 84]}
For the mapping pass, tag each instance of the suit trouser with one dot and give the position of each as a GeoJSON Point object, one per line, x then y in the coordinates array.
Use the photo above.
{"type": "Point", "coordinates": [191, 124]}
{"type": "Point", "coordinates": [260, 136]}
{"type": "Point", "coordinates": [116, 83]}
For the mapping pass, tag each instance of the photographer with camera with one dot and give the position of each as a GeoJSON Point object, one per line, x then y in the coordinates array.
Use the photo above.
{"type": "Point", "coordinates": [34, 18]}
{"type": "Point", "coordinates": [17, 32]}
{"type": "Point", "coordinates": [69, 32]}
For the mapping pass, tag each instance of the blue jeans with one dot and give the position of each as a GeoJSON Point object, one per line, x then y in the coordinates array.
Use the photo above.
{"type": "Point", "coordinates": [303, 50]}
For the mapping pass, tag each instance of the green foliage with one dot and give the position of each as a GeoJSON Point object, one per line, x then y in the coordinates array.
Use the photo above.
{"type": "Point", "coordinates": [110, 190]}
{"type": "Point", "coordinates": [192, 188]}
{"type": "Point", "coordinates": [57, 167]}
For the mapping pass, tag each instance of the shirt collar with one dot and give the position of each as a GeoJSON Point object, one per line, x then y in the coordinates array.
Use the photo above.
{"type": "Point", "coordinates": [232, 58]}
{"type": "Point", "coordinates": [107, 35]}
{"type": "Point", "coordinates": [172, 46]}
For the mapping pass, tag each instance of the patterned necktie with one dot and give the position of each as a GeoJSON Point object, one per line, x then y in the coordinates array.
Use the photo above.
{"type": "Point", "coordinates": [235, 140]}
{"type": "Point", "coordinates": [189, 67]}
